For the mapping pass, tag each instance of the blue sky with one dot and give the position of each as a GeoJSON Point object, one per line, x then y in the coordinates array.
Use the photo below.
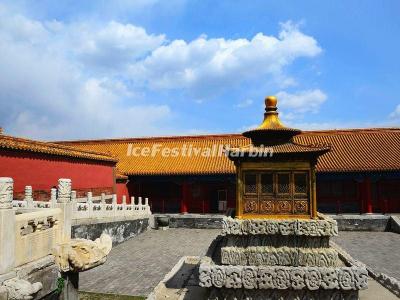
{"type": "Point", "coordinates": [102, 69]}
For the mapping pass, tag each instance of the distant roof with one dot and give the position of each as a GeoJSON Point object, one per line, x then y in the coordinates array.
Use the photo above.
{"type": "Point", "coordinates": [22, 144]}
{"type": "Point", "coordinates": [352, 150]}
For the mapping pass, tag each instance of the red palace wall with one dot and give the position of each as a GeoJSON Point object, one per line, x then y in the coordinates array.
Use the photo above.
{"type": "Point", "coordinates": [42, 172]}
{"type": "Point", "coordinates": [353, 194]}
{"type": "Point", "coordinates": [122, 190]}
{"type": "Point", "coordinates": [192, 196]}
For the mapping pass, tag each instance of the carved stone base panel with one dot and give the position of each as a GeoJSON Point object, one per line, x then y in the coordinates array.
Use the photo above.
{"type": "Point", "coordinates": [282, 256]}
{"type": "Point", "coordinates": [242, 294]}
{"type": "Point", "coordinates": [283, 278]}
{"type": "Point", "coordinates": [325, 227]}
{"type": "Point", "coordinates": [275, 241]}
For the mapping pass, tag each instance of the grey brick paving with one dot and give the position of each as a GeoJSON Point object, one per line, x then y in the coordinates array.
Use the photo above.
{"type": "Point", "coordinates": [378, 250]}
{"type": "Point", "coordinates": [136, 266]}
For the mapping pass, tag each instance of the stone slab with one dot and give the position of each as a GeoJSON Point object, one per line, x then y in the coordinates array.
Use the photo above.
{"type": "Point", "coordinates": [6, 276]}
{"type": "Point", "coordinates": [43, 270]}
{"type": "Point", "coordinates": [275, 241]}
{"type": "Point", "coordinates": [367, 222]}
{"type": "Point", "coordinates": [278, 277]}
{"type": "Point", "coordinates": [178, 281]}
{"type": "Point", "coordinates": [3, 293]}
{"type": "Point", "coordinates": [241, 294]}
{"type": "Point", "coordinates": [7, 240]}
{"type": "Point", "coordinates": [282, 256]}
{"type": "Point", "coordinates": [197, 221]}
{"type": "Point", "coordinates": [120, 231]}
{"type": "Point", "coordinates": [313, 228]}
{"type": "Point", "coordinates": [189, 290]}
{"type": "Point", "coordinates": [376, 291]}
{"type": "Point", "coordinates": [107, 220]}
{"type": "Point", "coordinates": [395, 224]}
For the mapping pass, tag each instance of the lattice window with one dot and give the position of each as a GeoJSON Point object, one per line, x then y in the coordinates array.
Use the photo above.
{"type": "Point", "coordinates": [300, 183]}
{"type": "Point", "coordinates": [250, 183]}
{"type": "Point", "coordinates": [276, 192]}
{"type": "Point", "coordinates": [267, 185]}
{"type": "Point", "coordinates": [283, 183]}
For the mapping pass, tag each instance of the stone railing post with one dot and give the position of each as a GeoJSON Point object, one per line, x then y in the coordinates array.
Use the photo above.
{"type": "Point", "coordinates": [114, 204]}
{"type": "Point", "coordinates": [73, 196]}
{"type": "Point", "coordinates": [146, 202]}
{"type": "Point", "coordinates": [73, 201]}
{"type": "Point", "coordinates": [103, 211]}
{"type": "Point", "coordinates": [90, 203]}
{"type": "Point", "coordinates": [7, 225]}
{"type": "Point", "coordinates": [64, 190]}
{"type": "Point", "coordinates": [28, 196]}
{"type": "Point", "coordinates": [124, 211]}
{"type": "Point", "coordinates": [53, 197]}
{"type": "Point", "coordinates": [140, 205]}
{"type": "Point", "coordinates": [64, 202]}
{"type": "Point", "coordinates": [133, 206]}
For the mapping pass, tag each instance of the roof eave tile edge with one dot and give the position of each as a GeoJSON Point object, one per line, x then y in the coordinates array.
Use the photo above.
{"type": "Point", "coordinates": [77, 152]}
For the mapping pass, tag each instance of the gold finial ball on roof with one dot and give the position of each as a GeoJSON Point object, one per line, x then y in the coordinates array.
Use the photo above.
{"type": "Point", "coordinates": [271, 101]}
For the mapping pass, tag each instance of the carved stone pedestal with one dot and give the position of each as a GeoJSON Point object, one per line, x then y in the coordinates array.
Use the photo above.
{"type": "Point", "coordinates": [279, 259]}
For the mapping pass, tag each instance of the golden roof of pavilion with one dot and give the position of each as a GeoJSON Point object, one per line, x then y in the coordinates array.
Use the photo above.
{"type": "Point", "coordinates": [273, 136]}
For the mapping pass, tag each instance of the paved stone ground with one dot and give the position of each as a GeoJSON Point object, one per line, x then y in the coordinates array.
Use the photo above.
{"type": "Point", "coordinates": [136, 266]}
{"type": "Point", "coordinates": [378, 250]}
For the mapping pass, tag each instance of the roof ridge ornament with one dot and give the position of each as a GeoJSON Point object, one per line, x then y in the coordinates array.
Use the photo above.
{"type": "Point", "coordinates": [271, 130]}
{"type": "Point", "coordinates": [271, 115]}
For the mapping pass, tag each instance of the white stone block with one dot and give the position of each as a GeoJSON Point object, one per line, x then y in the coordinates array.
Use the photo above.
{"type": "Point", "coordinates": [7, 240]}
{"type": "Point", "coordinates": [6, 192]}
{"type": "Point", "coordinates": [64, 190]}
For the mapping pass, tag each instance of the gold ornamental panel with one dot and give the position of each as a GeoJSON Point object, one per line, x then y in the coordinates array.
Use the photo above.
{"type": "Point", "coordinates": [283, 207]}
{"type": "Point", "coordinates": [267, 207]}
{"type": "Point", "coordinates": [250, 205]}
{"type": "Point", "coordinates": [300, 206]}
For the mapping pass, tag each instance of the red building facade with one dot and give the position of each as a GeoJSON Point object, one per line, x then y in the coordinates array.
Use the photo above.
{"type": "Point", "coordinates": [41, 164]}
{"type": "Point", "coordinates": [361, 173]}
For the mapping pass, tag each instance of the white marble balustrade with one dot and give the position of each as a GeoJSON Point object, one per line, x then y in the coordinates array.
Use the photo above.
{"type": "Point", "coordinates": [28, 234]}
{"type": "Point", "coordinates": [103, 206]}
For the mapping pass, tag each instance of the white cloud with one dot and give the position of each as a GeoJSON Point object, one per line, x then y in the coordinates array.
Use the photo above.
{"type": "Point", "coordinates": [85, 79]}
{"type": "Point", "coordinates": [245, 103]}
{"type": "Point", "coordinates": [45, 93]}
{"type": "Point", "coordinates": [303, 101]}
{"type": "Point", "coordinates": [206, 66]}
{"type": "Point", "coordinates": [396, 113]}
{"type": "Point", "coordinates": [114, 45]}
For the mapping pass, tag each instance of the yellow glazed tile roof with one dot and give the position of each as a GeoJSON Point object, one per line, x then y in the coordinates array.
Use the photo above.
{"type": "Point", "coordinates": [22, 144]}
{"type": "Point", "coordinates": [352, 150]}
